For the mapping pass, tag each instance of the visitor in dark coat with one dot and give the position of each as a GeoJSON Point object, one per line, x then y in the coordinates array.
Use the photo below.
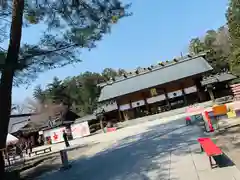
{"type": "Point", "coordinates": [65, 139]}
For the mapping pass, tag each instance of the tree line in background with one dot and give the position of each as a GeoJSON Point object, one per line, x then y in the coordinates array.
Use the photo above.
{"type": "Point", "coordinates": [222, 45]}
{"type": "Point", "coordinates": [78, 93]}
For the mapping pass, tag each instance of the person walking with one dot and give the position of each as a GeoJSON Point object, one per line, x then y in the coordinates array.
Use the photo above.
{"type": "Point", "coordinates": [65, 138]}
{"type": "Point", "coordinates": [188, 120]}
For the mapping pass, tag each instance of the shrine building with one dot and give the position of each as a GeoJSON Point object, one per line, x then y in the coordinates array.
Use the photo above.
{"type": "Point", "coordinates": [159, 88]}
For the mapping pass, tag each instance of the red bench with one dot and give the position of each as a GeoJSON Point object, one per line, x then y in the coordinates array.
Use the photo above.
{"type": "Point", "coordinates": [111, 129]}
{"type": "Point", "coordinates": [210, 148]}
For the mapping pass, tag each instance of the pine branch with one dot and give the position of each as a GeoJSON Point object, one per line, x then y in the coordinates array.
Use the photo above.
{"type": "Point", "coordinates": [46, 52]}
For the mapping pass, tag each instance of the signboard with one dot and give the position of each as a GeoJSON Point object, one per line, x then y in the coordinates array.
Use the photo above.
{"type": "Point", "coordinates": [153, 92]}
{"type": "Point", "coordinates": [55, 134]}
{"type": "Point", "coordinates": [80, 130]}
{"type": "Point", "coordinates": [219, 110]}
{"type": "Point", "coordinates": [231, 113]}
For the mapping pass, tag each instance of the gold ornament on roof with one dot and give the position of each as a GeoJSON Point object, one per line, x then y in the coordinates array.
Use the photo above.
{"type": "Point", "coordinates": [153, 92]}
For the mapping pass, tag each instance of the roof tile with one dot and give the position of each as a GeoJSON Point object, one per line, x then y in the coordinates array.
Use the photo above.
{"type": "Point", "coordinates": [161, 75]}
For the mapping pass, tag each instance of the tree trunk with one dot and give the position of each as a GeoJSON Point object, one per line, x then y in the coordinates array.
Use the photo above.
{"type": "Point", "coordinates": [8, 74]}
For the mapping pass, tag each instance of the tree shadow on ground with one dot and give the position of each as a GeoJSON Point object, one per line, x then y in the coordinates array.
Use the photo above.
{"type": "Point", "coordinates": [223, 161]}
{"type": "Point", "coordinates": [44, 163]}
{"type": "Point", "coordinates": [35, 172]}
{"type": "Point", "coordinates": [141, 157]}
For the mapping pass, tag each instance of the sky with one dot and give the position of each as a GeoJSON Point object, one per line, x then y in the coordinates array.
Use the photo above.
{"type": "Point", "coordinates": [157, 31]}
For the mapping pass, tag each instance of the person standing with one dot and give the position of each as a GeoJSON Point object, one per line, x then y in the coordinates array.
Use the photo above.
{"type": "Point", "coordinates": [65, 138]}
{"type": "Point", "coordinates": [19, 150]}
{"type": "Point", "coordinates": [29, 147]}
{"type": "Point", "coordinates": [188, 120]}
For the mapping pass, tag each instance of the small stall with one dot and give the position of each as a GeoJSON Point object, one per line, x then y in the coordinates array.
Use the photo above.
{"type": "Point", "coordinates": [11, 139]}
{"type": "Point", "coordinates": [9, 153]}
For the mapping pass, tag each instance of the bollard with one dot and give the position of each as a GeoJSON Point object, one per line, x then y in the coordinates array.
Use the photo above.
{"type": "Point", "coordinates": [64, 158]}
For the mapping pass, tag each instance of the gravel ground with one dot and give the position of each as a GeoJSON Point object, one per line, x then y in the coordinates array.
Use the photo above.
{"type": "Point", "coordinates": [94, 145]}
{"type": "Point", "coordinates": [129, 147]}
{"type": "Point", "coordinates": [160, 149]}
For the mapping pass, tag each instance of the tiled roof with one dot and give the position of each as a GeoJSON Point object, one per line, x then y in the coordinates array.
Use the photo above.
{"type": "Point", "coordinates": [218, 78]}
{"type": "Point", "coordinates": [17, 122]}
{"type": "Point", "coordinates": [157, 76]}
{"type": "Point", "coordinates": [86, 118]}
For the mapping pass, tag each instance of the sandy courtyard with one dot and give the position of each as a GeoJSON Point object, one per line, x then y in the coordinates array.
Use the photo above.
{"type": "Point", "coordinates": [165, 150]}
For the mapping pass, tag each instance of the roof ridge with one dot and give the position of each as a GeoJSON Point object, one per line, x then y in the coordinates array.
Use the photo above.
{"type": "Point", "coordinates": [153, 70]}
{"type": "Point", "coordinates": [185, 68]}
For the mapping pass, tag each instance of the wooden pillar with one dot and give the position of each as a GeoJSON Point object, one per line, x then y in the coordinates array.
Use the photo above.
{"type": "Point", "coordinates": [119, 112]}
{"type": "Point", "coordinates": [167, 99]}
{"type": "Point", "coordinates": [120, 115]}
{"type": "Point", "coordinates": [125, 115]}
{"type": "Point", "coordinates": [199, 89]}
{"type": "Point", "coordinates": [184, 95]}
{"type": "Point", "coordinates": [101, 123]}
{"type": "Point", "coordinates": [210, 91]}
{"type": "Point", "coordinates": [145, 101]}
{"type": "Point", "coordinates": [130, 102]}
{"type": "Point", "coordinates": [131, 109]}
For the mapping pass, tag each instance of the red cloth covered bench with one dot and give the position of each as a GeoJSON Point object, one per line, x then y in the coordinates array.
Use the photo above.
{"type": "Point", "coordinates": [210, 148]}
{"type": "Point", "coordinates": [111, 129]}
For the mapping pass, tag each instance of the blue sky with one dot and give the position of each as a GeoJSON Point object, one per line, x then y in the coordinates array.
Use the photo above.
{"type": "Point", "coordinates": [157, 31]}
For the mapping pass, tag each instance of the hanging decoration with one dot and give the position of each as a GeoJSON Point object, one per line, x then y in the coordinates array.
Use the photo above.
{"type": "Point", "coordinates": [114, 19]}
{"type": "Point", "coordinates": [153, 92]}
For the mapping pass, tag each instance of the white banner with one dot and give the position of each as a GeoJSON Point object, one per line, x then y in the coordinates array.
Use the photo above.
{"type": "Point", "coordinates": [80, 130]}
{"type": "Point", "coordinates": [124, 107]}
{"type": "Point", "coordinates": [175, 94]}
{"type": "Point", "coordinates": [190, 90]}
{"type": "Point", "coordinates": [138, 103]}
{"type": "Point", "coordinates": [56, 134]}
{"type": "Point", "coordinates": [156, 98]}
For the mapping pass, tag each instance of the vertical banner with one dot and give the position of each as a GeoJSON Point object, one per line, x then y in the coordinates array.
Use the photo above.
{"type": "Point", "coordinates": [80, 130]}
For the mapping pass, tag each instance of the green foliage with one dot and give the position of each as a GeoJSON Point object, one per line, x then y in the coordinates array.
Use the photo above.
{"type": "Point", "coordinates": [79, 93]}
{"type": "Point", "coordinates": [217, 46]}
{"type": "Point", "coordinates": [109, 73]}
{"type": "Point", "coordinates": [70, 27]}
{"type": "Point", "coordinates": [39, 94]}
{"type": "Point", "coordinates": [233, 19]}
